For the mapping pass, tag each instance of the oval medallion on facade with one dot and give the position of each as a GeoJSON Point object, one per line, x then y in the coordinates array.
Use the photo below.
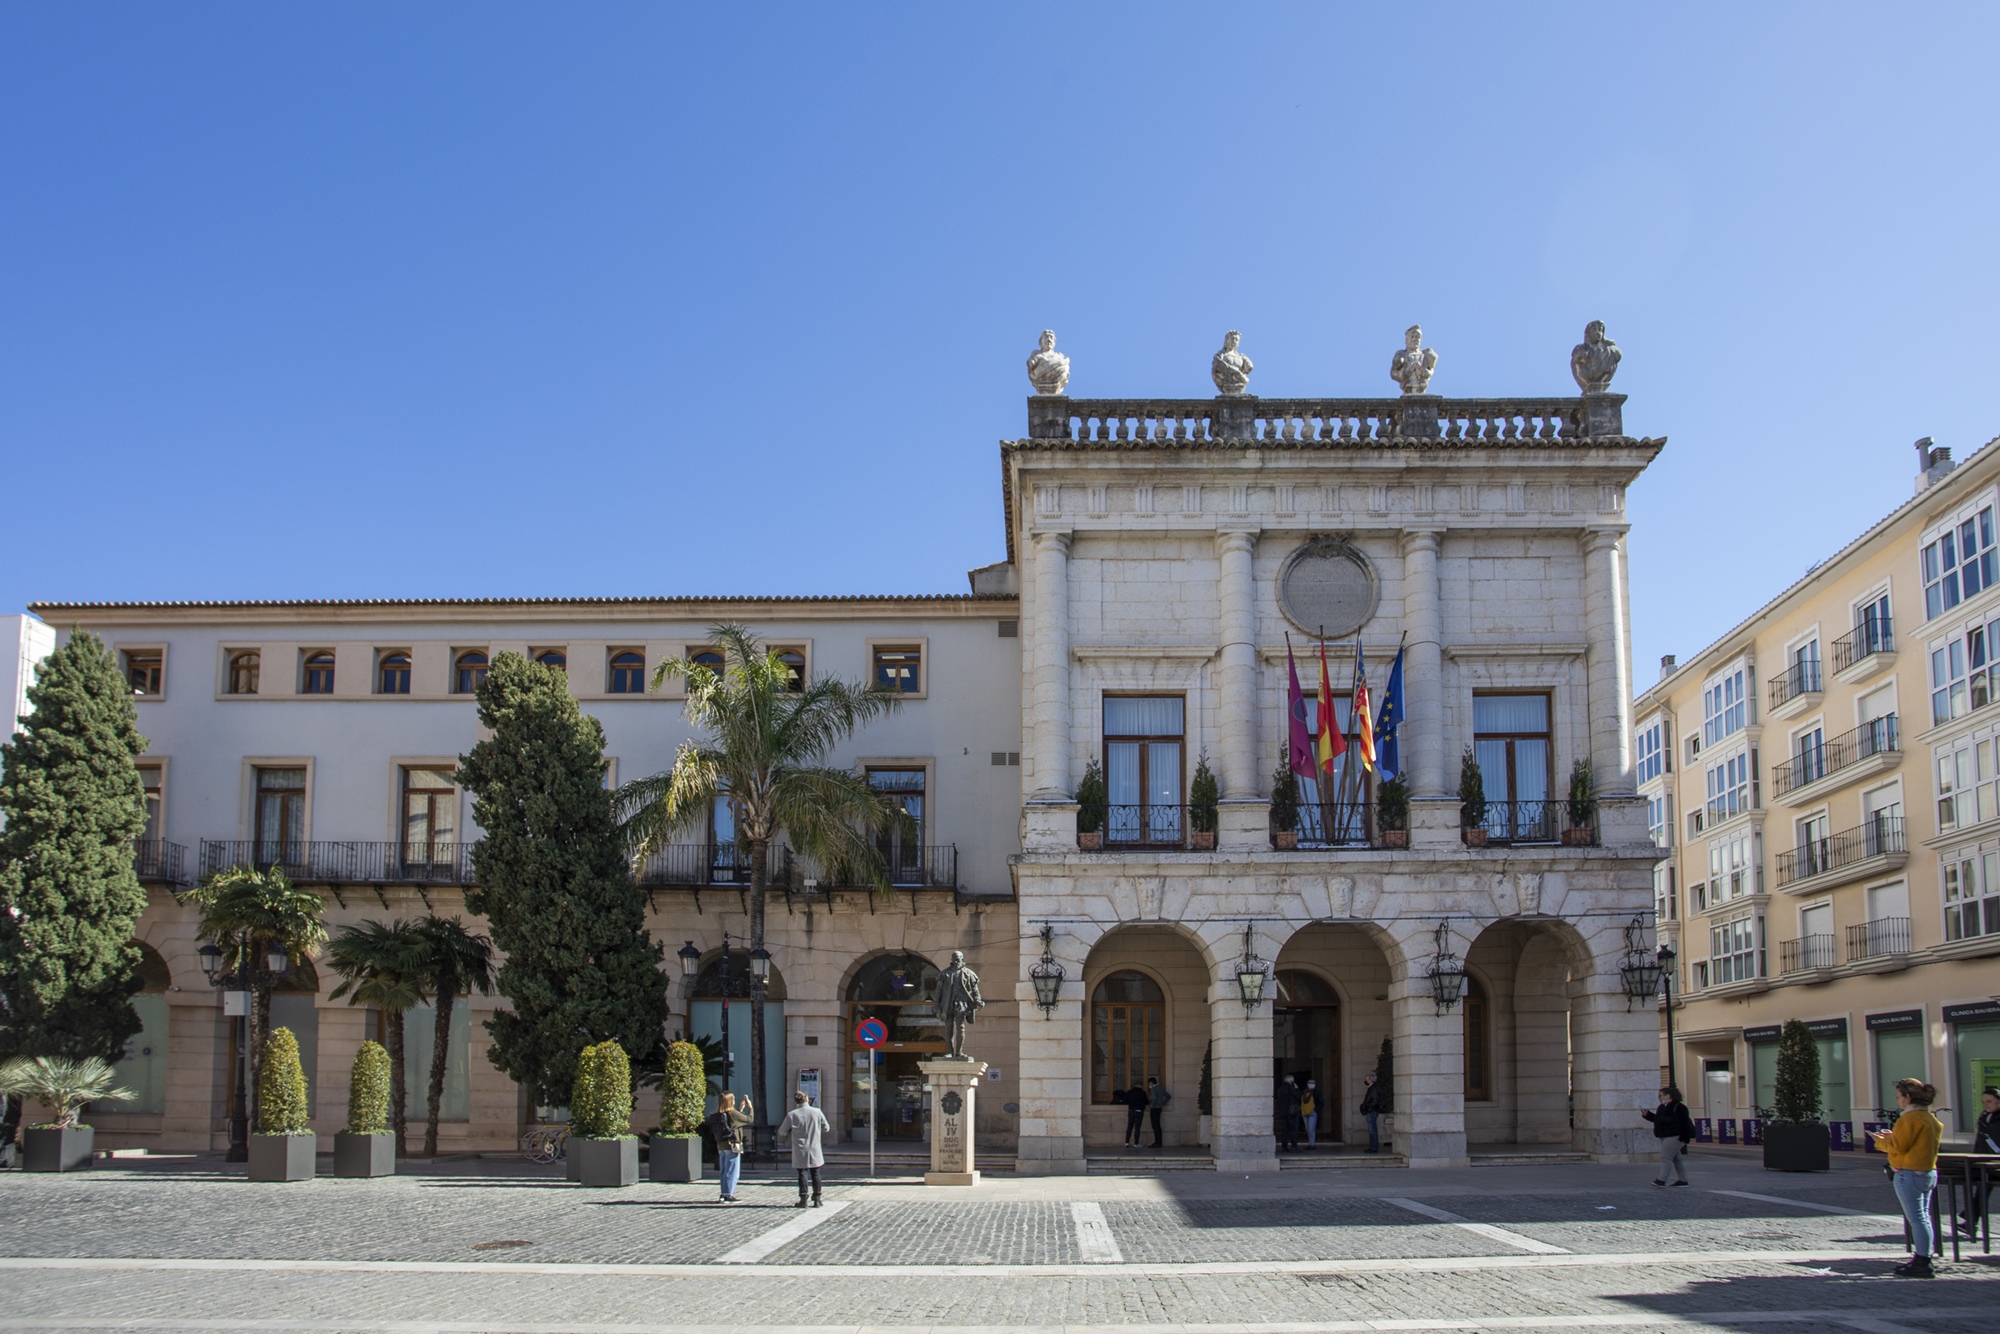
{"type": "Point", "coordinates": [1327, 587]}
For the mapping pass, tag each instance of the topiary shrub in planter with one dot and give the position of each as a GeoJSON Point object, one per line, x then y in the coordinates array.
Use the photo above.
{"type": "Point", "coordinates": [1471, 800]}
{"type": "Point", "coordinates": [1795, 1139]}
{"type": "Point", "coordinates": [64, 1084]}
{"type": "Point", "coordinates": [602, 1147]}
{"type": "Point", "coordinates": [1284, 802]}
{"type": "Point", "coordinates": [284, 1146]}
{"type": "Point", "coordinates": [674, 1152]}
{"type": "Point", "coordinates": [1582, 804]}
{"type": "Point", "coordinates": [1392, 811]}
{"type": "Point", "coordinates": [1203, 798]}
{"type": "Point", "coordinates": [367, 1148]}
{"type": "Point", "coordinates": [1091, 799]}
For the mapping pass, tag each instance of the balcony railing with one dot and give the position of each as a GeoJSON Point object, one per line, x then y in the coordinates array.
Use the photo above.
{"type": "Point", "coordinates": [1880, 837]}
{"type": "Point", "coordinates": [333, 863]}
{"type": "Point", "coordinates": [1884, 935]}
{"type": "Point", "coordinates": [1812, 763]}
{"type": "Point", "coordinates": [1327, 420]}
{"type": "Point", "coordinates": [1520, 821]}
{"type": "Point", "coordinates": [160, 861]}
{"type": "Point", "coordinates": [1796, 956]}
{"type": "Point", "coordinates": [1868, 638]}
{"type": "Point", "coordinates": [686, 864]}
{"type": "Point", "coordinates": [1802, 678]}
{"type": "Point", "coordinates": [699, 865]}
{"type": "Point", "coordinates": [1149, 826]}
{"type": "Point", "coordinates": [1334, 824]}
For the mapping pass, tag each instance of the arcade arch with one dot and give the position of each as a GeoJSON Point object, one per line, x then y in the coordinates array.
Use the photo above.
{"type": "Point", "coordinates": [1329, 1018]}
{"type": "Point", "coordinates": [1128, 967]}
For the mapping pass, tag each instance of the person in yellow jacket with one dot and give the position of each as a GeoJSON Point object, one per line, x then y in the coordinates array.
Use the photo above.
{"type": "Point", "coordinates": [1912, 1146]}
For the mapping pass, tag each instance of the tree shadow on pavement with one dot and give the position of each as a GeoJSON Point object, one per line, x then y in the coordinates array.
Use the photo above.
{"type": "Point", "coordinates": [1827, 1294]}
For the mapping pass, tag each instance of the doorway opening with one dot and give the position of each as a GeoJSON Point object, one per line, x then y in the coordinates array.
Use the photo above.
{"type": "Point", "coordinates": [1305, 1044]}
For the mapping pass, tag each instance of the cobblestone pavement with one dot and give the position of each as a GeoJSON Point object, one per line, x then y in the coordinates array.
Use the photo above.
{"type": "Point", "coordinates": [189, 1245]}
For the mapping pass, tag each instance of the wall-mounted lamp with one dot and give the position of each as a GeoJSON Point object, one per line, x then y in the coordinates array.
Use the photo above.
{"type": "Point", "coordinates": [1446, 973]}
{"type": "Point", "coordinates": [1251, 972]}
{"type": "Point", "coordinates": [1641, 968]}
{"type": "Point", "coordinates": [1047, 975]}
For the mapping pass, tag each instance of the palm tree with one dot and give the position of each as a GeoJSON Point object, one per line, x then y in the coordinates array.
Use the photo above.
{"type": "Point", "coordinates": [458, 962]}
{"type": "Point", "coordinates": [765, 738]}
{"type": "Point", "coordinates": [384, 965]}
{"type": "Point", "coordinates": [63, 1082]}
{"type": "Point", "coordinates": [246, 912]}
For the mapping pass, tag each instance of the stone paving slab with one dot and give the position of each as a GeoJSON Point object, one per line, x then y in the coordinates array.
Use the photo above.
{"type": "Point", "coordinates": [921, 1233]}
{"type": "Point", "coordinates": [1226, 1230]}
{"type": "Point", "coordinates": [1671, 1219]}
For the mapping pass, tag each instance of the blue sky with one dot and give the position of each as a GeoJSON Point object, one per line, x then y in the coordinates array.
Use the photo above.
{"type": "Point", "coordinates": [442, 300]}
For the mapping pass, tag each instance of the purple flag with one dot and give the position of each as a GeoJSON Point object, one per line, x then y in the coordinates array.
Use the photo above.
{"type": "Point", "coordinates": [1301, 740]}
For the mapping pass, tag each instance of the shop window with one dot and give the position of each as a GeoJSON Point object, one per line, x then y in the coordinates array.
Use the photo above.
{"type": "Point", "coordinates": [420, 1050]}
{"type": "Point", "coordinates": [1128, 1034]}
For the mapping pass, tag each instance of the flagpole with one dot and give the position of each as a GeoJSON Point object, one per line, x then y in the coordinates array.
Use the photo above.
{"type": "Point", "coordinates": [1348, 778]}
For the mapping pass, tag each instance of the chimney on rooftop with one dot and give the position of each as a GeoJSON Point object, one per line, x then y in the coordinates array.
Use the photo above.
{"type": "Point", "coordinates": [1933, 462]}
{"type": "Point", "coordinates": [1666, 665]}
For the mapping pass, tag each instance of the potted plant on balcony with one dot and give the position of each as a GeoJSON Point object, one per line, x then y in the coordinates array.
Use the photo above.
{"type": "Point", "coordinates": [1091, 799]}
{"type": "Point", "coordinates": [1582, 805]}
{"type": "Point", "coordinates": [1284, 803]}
{"type": "Point", "coordinates": [1203, 796]}
{"type": "Point", "coordinates": [367, 1148]}
{"type": "Point", "coordinates": [1795, 1139]}
{"type": "Point", "coordinates": [64, 1084]}
{"type": "Point", "coordinates": [602, 1147]}
{"type": "Point", "coordinates": [1471, 800]}
{"type": "Point", "coordinates": [284, 1147]}
{"type": "Point", "coordinates": [1392, 812]}
{"type": "Point", "coordinates": [673, 1153]}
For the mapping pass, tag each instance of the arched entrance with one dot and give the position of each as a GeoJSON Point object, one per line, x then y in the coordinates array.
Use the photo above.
{"type": "Point", "coordinates": [719, 1011]}
{"type": "Point", "coordinates": [1330, 1017]}
{"type": "Point", "coordinates": [1147, 1017]}
{"type": "Point", "coordinates": [1305, 1044]}
{"type": "Point", "coordinates": [901, 991]}
{"type": "Point", "coordinates": [1518, 1039]}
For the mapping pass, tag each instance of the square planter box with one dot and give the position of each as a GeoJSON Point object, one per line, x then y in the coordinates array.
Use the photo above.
{"type": "Point", "coordinates": [1474, 838]}
{"type": "Point", "coordinates": [1395, 838]}
{"type": "Point", "coordinates": [1091, 842]}
{"type": "Point", "coordinates": [57, 1150]}
{"type": "Point", "coordinates": [283, 1157]}
{"type": "Point", "coordinates": [605, 1162]}
{"type": "Point", "coordinates": [1574, 837]}
{"type": "Point", "coordinates": [364, 1155]}
{"type": "Point", "coordinates": [1798, 1147]}
{"type": "Point", "coordinates": [1202, 840]}
{"type": "Point", "coordinates": [1285, 840]}
{"type": "Point", "coordinates": [673, 1159]}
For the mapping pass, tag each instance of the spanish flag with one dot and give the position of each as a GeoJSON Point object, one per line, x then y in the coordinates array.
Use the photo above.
{"type": "Point", "coordinates": [1363, 723]}
{"type": "Point", "coordinates": [1332, 745]}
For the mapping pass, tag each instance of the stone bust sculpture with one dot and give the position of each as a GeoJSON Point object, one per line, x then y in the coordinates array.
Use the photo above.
{"type": "Point", "coordinates": [1048, 369]}
{"type": "Point", "coordinates": [1412, 366]}
{"type": "Point", "coordinates": [1595, 360]}
{"type": "Point", "coordinates": [958, 1000]}
{"type": "Point", "coordinates": [1231, 368]}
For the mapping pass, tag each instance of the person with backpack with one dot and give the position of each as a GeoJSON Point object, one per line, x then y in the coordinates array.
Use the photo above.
{"type": "Point", "coordinates": [805, 1128]}
{"type": "Point", "coordinates": [1157, 1099]}
{"type": "Point", "coordinates": [1673, 1127]}
{"type": "Point", "coordinates": [1290, 1099]}
{"type": "Point", "coordinates": [1912, 1147]}
{"type": "Point", "coordinates": [725, 1127]}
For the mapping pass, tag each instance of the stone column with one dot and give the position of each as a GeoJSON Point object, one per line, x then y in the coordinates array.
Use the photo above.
{"type": "Point", "coordinates": [1236, 677]}
{"type": "Point", "coordinates": [1605, 628]}
{"type": "Point", "coordinates": [1047, 724]}
{"type": "Point", "coordinates": [1615, 1060]}
{"type": "Point", "coordinates": [1422, 734]}
{"type": "Point", "coordinates": [1428, 1094]}
{"type": "Point", "coordinates": [1049, 1081]}
{"type": "Point", "coordinates": [1239, 1079]}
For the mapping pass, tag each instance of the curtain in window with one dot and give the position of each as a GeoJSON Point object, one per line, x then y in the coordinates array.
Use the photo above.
{"type": "Point", "coordinates": [1158, 715]}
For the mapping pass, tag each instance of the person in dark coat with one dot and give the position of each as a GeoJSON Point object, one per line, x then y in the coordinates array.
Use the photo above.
{"type": "Point", "coordinates": [1291, 1100]}
{"type": "Point", "coordinates": [1157, 1099]}
{"type": "Point", "coordinates": [1985, 1139]}
{"type": "Point", "coordinates": [1674, 1129]}
{"type": "Point", "coordinates": [1371, 1109]}
{"type": "Point", "coordinates": [1136, 1102]}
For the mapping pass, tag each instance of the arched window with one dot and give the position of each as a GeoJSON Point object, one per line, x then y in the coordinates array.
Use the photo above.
{"type": "Point", "coordinates": [706, 657]}
{"type": "Point", "coordinates": [393, 677]}
{"type": "Point", "coordinates": [243, 672]}
{"type": "Point", "coordinates": [1478, 1043]}
{"type": "Point", "coordinates": [318, 673]}
{"type": "Point", "coordinates": [468, 672]}
{"type": "Point", "coordinates": [628, 672]}
{"type": "Point", "coordinates": [553, 657]}
{"type": "Point", "coordinates": [795, 667]}
{"type": "Point", "coordinates": [899, 991]}
{"type": "Point", "coordinates": [1128, 1034]}
{"type": "Point", "coordinates": [896, 979]}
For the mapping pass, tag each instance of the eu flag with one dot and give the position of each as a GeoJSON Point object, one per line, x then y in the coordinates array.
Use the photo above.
{"type": "Point", "coordinates": [1389, 758]}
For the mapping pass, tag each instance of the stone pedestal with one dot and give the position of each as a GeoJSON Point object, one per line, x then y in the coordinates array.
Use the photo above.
{"type": "Point", "coordinates": [954, 1094]}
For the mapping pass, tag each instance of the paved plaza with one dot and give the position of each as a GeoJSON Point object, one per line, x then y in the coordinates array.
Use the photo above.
{"type": "Point", "coordinates": [492, 1245]}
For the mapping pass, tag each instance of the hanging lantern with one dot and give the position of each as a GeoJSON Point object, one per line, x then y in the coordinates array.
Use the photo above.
{"type": "Point", "coordinates": [1641, 968]}
{"type": "Point", "coordinates": [1446, 973]}
{"type": "Point", "coordinates": [211, 959]}
{"type": "Point", "coordinates": [276, 961]}
{"type": "Point", "coordinates": [1047, 975]}
{"type": "Point", "coordinates": [1251, 973]}
{"type": "Point", "coordinates": [760, 963]}
{"type": "Point", "coordinates": [690, 958]}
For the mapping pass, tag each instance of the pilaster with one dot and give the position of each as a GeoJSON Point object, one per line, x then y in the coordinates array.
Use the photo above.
{"type": "Point", "coordinates": [1046, 728]}
{"type": "Point", "coordinates": [1237, 670]}
{"type": "Point", "coordinates": [1605, 628]}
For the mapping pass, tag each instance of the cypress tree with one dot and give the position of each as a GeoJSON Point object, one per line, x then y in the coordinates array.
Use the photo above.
{"type": "Point", "coordinates": [554, 884]}
{"type": "Point", "coordinates": [69, 895]}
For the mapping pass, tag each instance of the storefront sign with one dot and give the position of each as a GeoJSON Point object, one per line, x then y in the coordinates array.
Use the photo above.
{"type": "Point", "coordinates": [1827, 1028]}
{"type": "Point", "coordinates": [1894, 1020]}
{"type": "Point", "coordinates": [1768, 1033]}
{"type": "Point", "coordinates": [1978, 1012]}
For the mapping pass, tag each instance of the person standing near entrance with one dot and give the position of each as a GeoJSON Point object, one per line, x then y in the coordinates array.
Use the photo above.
{"type": "Point", "coordinates": [1136, 1100]}
{"type": "Point", "coordinates": [1985, 1139]}
{"type": "Point", "coordinates": [1371, 1108]}
{"type": "Point", "coordinates": [1309, 1110]}
{"type": "Point", "coordinates": [725, 1127]}
{"type": "Point", "coordinates": [1293, 1098]}
{"type": "Point", "coordinates": [1157, 1099]}
{"type": "Point", "coordinates": [1912, 1147]}
{"type": "Point", "coordinates": [805, 1128]}
{"type": "Point", "coordinates": [1674, 1129]}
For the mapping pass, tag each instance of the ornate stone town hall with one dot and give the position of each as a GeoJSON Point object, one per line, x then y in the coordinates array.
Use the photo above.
{"type": "Point", "coordinates": [1161, 556]}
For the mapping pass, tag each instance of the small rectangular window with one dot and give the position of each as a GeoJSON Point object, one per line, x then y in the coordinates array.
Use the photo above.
{"type": "Point", "coordinates": [145, 671]}
{"type": "Point", "coordinates": [153, 778]}
{"type": "Point", "coordinates": [1010, 629]}
{"type": "Point", "coordinates": [899, 668]}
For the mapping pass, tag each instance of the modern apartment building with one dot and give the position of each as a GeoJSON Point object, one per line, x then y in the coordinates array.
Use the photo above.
{"type": "Point", "coordinates": [1159, 556]}
{"type": "Point", "coordinates": [1824, 776]}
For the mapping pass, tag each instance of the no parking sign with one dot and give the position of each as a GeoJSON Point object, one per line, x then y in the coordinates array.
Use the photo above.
{"type": "Point", "coordinates": [871, 1032]}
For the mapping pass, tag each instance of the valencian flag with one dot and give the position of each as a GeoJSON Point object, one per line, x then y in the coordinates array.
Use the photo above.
{"type": "Point", "coordinates": [1389, 755]}
{"type": "Point", "coordinates": [1364, 723]}
{"type": "Point", "coordinates": [1301, 739]}
{"type": "Point", "coordinates": [1332, 745]}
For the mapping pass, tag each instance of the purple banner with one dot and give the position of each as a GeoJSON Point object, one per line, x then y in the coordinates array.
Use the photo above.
{"type": "Point", "coordinates": [1704, 1130]}
{"type": "Point", "coordinates": [1725, 1130]}
{"type": "Point", "coordinates": [1753, 1130]}
{"type": "Point", "coordinates": [1868, 1129]}
{"type": "Point", "coordinates": [1843, 1135]}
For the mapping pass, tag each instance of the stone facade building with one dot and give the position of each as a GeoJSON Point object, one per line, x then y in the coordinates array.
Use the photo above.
{"type": "Point", "coordinates": [1161, 556]}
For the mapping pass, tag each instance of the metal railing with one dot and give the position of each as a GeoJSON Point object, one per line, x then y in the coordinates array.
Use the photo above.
{"type": "Point", "coordinates": [1796, 956]}
{"type": "Point", "coordinates": [1884, 935]}
{"type": "Point", "coordinates": [1816, 856]}
{"type": "Point", "coordinates": [687, 864]}
{"type": "Point", "coordinates": [1868, 638]}
{"type": "Point", "coordinates": [344, 863]}
{"type": "Point", "coordinates": [1519, 821]}
{"type": "Point", "coordinates": [158, 860]}
{"type": "Point", "coordinates": [699, 865]}
{"type": "Point", "coordinates": [1802, 678]}
{"type": "Point", "coordinates": [1814, 762]}
{"type": "Point", "coordinates": [1335, 824]}
{"type": "Point", "coordinates": [1145, 826]}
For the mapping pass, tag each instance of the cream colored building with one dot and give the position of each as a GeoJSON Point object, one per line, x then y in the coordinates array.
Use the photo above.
{"type": "Point", "coordinates": [1160, 555]}
{"type": "Point", "coordinates": [1824, 775]}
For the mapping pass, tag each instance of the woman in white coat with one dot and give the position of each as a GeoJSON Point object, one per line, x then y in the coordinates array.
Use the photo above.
{"type": "Point", "coordinates": [805, 1129]}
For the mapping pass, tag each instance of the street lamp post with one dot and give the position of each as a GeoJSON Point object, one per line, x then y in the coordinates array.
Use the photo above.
{"type": "Point", "coordinates": [242, 978]}
{"type": "Point", "coordinates": [1666, 957]}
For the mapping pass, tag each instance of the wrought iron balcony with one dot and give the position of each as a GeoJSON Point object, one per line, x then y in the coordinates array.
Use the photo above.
{"type": "Point", "coordinates": [1510, 822]}
{"type": "Point", "coordinates": [1881, 837]}
{"type": "Point", "coordinates": [1812, 763]}
{"type": "Point", "coordinates": [344, 863]}
{"type": "Point", "coordinates": [1338, 824]}
{"type": "Point", "coordinates": [700, 865]}
{"type": "Point", "coordinates": [1805, 953]}
{"type": "Point", "coordinates": [1145, 827]}
{"type": "Point", "coordinates": [159, 861]}
{"type": "Point", "coordinates": [688, 864]}
{"type": "Point", "coordinates": [1872, 940]}
{"type": "Point", "coordinates": [1866, 640]}
{"type": "Point", "coordinates": [1801, 678]}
